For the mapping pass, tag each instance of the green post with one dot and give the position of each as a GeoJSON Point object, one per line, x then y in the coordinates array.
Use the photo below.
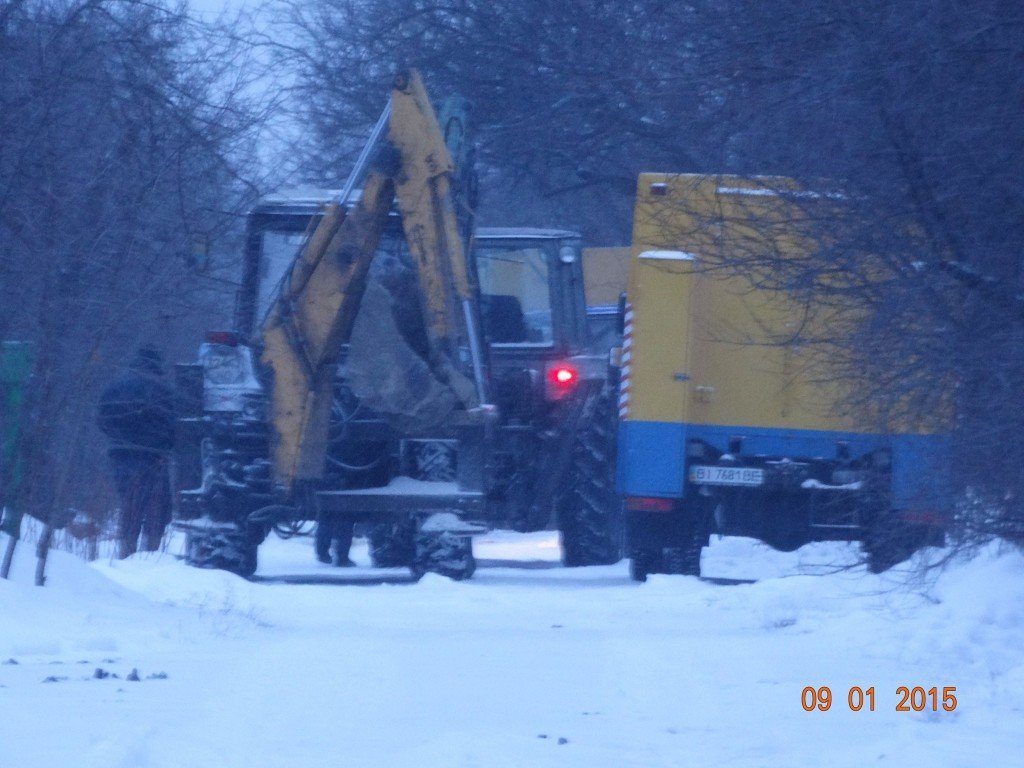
{"type": "Point", "coordinates": [15, 368]}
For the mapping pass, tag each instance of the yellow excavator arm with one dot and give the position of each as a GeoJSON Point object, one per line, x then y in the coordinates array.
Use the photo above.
{"type": "Point", "coordinates": [316, 308]}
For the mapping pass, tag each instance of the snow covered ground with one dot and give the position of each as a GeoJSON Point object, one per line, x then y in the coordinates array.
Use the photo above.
{"type": "Point", "coordinates": [528, 664]}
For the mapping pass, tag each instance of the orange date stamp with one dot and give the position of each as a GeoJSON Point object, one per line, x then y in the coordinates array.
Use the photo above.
{"type": "Point", "coordinates": [909, 699]}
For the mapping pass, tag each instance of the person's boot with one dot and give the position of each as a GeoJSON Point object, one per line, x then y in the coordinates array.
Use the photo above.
{"type": "Point", "coordinates": [322, 542]}
{"type": "Point", "coordinates": [343, 545]}
{"type": "Point", "coordinates": [341, 558]}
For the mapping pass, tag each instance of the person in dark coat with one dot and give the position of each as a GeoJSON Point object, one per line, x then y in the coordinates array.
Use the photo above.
{"type": "Point", "coordinates": [137, 413]}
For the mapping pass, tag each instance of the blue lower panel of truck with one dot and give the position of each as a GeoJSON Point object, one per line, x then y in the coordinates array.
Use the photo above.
{"type": "Point", "coordinates": [652, 457]}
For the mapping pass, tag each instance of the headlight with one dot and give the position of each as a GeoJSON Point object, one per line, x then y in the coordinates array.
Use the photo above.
{"type": "Point", "coordinates": [223, 364]}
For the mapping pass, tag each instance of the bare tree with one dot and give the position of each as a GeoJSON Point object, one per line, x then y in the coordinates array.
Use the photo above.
{"type": "Point", "coordinates": [125, 147]}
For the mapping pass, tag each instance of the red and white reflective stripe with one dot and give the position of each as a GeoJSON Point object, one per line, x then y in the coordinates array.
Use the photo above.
{"type": "Point", "coordinates": [627, 361]}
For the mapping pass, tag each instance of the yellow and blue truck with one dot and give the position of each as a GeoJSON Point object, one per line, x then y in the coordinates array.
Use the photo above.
{"type": "Point", "coordinates": [727, 423]}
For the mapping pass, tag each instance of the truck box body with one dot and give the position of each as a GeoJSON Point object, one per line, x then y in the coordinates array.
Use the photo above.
{"type": "Point", "coordinates": [710, 367]}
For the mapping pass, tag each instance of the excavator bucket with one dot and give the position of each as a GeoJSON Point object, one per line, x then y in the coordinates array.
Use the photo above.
{"type": "Point", "coordinates": [387, 374]}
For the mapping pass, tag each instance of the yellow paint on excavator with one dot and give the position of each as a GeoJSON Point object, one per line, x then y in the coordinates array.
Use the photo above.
{"type": "Point", "coordinates": [313, 315]}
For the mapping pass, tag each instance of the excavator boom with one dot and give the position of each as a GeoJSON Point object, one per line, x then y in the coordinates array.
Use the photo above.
{"type": "Point", "coordinates": [313, 315]}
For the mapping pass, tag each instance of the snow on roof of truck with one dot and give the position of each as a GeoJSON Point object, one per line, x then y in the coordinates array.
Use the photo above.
{"type": "Point", "coordinates": [764, 192]}
{"type": "Point", "coordinates": [668, 256]}
{"type": "Point", "coordinates": [754, 185]}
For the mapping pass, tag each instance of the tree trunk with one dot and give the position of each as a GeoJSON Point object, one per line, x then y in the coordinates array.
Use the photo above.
{"type": "Point", "coordinates": [42, 550]}
{"type": "Point", "coordinates": [5, 568]}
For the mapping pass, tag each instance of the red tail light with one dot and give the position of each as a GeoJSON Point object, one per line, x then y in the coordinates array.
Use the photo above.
{"type": "Point", "coordinates": [561, 380]}
{"type": "Point", "coordinates": [648, 504]}
{"type": "Point", "coordinates": [228, 338]}
{"type": "Point", "coordinates": [564, 375]}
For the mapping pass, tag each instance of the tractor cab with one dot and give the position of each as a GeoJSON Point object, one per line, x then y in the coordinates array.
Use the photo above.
{"type": "Point", "coordinates": [531, 296]}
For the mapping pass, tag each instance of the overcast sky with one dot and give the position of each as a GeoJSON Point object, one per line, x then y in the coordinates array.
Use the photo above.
{"type": "Point", "coordinates": [214, 7]}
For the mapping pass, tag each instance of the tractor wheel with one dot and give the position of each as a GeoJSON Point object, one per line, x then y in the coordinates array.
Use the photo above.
{"type": "Point", "coordinates": [393, 545]}
{"type": "Point", "coordinates": [225, 550]}
{"type": "Point", "coordinates": [444, 553]}
{"type": "Point", "coordinates": [590, 513]}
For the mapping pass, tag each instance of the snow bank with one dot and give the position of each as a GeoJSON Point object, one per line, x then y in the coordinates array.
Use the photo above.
{"type": "Point", "coordinates": [527, 664]}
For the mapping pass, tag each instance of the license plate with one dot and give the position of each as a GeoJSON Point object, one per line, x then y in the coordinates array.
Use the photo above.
{"type": "Point", "coordinates": [703, 475]}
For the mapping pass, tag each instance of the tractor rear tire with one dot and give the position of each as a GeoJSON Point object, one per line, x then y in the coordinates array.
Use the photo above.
{"type": "Point", "coordinates": [590, 513]}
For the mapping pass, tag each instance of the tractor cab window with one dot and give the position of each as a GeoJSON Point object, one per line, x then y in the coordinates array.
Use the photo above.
{"type": "Point", "coordinates": [277, 252]}
{"type": "Point", "coordinates": [515, 294]}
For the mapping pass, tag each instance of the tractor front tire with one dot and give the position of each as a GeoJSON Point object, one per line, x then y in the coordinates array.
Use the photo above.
{"type": "Point", "coordinates": [224, 550]}
{"type": "Point", "coordinates": [444, 553]}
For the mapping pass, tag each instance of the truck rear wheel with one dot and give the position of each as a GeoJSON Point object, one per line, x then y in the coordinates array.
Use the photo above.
{"type": "Point", "coordinates": [680, 561]}
{"type": "Point", "coordinates": [590, 513]}
{"type": "Point", "coordinates": [643, 563]}
{"type": "Point", "coordinates": [683, 561]}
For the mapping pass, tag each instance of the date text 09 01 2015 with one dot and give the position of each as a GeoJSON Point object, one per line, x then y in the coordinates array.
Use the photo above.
{"type": "Point", "coordinates": [916, 699]}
